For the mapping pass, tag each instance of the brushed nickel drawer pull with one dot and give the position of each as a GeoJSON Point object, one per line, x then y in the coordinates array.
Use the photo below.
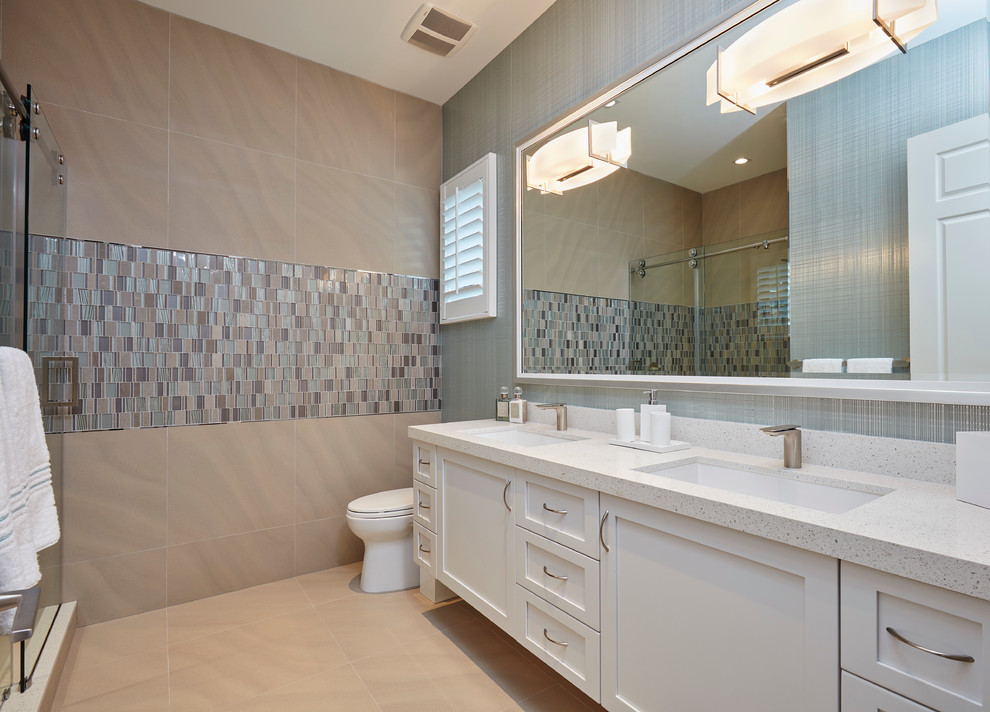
{"type": "Point", "coordinates": [425, 551]}
{"type": "Point", "coordinates": [424, 463]}
{"type": "Point", "coordinates": [505, 495]}
{"type": "Point", "coordinates": [601, 531]}
{"type": "Point", "coordinates": [947, 656]}
{"type": "Point", "coordinates": [423, 506]}
{"type": "Point", "coordinates": [559, 578]}
{"type": "Point", "coordinates": [555, 642]}
{"type": "Point", "coordinates": [555, 511]}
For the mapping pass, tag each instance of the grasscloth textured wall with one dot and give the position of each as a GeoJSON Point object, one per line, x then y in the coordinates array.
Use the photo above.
{"type": "Point", "coordinates": [195, 142]}
{"type": "Point", "coordinates": [574, 50]}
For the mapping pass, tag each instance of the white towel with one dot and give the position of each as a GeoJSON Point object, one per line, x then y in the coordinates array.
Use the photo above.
{"type": "Point", "coordinates": [821, 365]}
{"type": "Point", "coordinates": [28, 520]}
{"type": "Point", "coordinates": [870, 365]}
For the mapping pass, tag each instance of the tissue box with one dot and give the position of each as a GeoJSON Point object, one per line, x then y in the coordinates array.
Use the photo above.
{"type": "Point", "coordinates": [973, 468]}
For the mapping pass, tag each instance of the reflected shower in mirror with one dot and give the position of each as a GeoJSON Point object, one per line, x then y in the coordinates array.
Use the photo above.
{"type": "Point", "coordinates": [772, 243]}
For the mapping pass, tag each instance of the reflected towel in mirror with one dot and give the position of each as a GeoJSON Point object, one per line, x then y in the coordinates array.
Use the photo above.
{"type": "Point", "coordinates": [822, 365]}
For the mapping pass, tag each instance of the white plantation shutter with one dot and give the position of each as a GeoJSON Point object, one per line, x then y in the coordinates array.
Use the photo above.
{"type": "Point", "coordinates": [467, 257]}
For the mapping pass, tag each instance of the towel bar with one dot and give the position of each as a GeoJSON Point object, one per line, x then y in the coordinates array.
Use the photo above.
{"type": "Point", "coordinates": [897, 363]}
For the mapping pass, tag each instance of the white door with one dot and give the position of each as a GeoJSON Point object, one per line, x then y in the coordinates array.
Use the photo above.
{"type": "Point", "coordinates": [949, 239]}
{"type": "Point", "coordinates": [476, 557]}
{"type": "Point", "coordinates": [699, 617]}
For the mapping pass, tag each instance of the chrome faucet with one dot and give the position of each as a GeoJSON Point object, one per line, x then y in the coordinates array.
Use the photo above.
{"type": "Point", "coordinates": [561, 410]}
{"type": "Point", "coordinates": [792, 442]}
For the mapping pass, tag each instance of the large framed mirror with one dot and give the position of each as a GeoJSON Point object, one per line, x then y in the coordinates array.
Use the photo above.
{"type": "Point", "coordinates": [792, 236]}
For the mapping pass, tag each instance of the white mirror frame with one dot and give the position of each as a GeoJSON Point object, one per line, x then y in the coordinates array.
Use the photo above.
{"type": "Point", "coordinates": [954, 392]}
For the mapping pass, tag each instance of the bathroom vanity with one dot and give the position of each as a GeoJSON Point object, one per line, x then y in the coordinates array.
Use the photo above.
{"type": "Point", "coordinates": [816, 589]}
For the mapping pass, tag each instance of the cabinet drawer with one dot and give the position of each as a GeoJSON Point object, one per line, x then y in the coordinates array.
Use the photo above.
{"type": "Point", "coordinates": [424, 544]}
{"type": "Point", "coordinates": [858, 695]}
{"type": "Point", "coordinates": [876, 605]}
{"type": "Point", "coordinates": [565, 644]}
{"type": "Point", "coordinates": [424, 463]}
{"type": "Point", "coordinates": [563, 577]}
{"type": "Point", "coordinates": [425, 502]}
{"type": "Point", "coordinates": [562, 512]}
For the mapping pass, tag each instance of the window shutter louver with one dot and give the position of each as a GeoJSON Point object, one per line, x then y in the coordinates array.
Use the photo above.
{"type": "Point", "coordinates": [467, 257]}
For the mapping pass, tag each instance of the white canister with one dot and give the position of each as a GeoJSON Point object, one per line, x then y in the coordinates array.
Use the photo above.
{"type": "Point", "coordinates": [625, 424]}
{"type": "Point", "coordinates": [645, 411]}
{"type": "Point", "coordinates": [660, 429]}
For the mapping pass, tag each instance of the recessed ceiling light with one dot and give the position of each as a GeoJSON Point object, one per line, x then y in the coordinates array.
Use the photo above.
{"type": "Point", "coordinates": [741, 160]}
{"type": "Point", "coordinates": [612, 103]}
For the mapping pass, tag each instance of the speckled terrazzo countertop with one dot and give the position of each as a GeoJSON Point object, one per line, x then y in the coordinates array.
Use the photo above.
{"type": "Point", "coordinates": [917, 529]}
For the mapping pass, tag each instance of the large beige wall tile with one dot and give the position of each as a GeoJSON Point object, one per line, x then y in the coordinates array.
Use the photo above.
{"type": "Point", "coordinates": [324, 544]}
{"type": "Point", "coordinates": [340, 459]}
{"type": "Point", "coordinates": [344, 219]}
{"type": "Point", "coordinates": [206, 568]}
{"type": "Point", "coordinates": [763, 204]}
{"type": "Point", "coordinates": [572, 257]}
{"type": "Point", "coordinates": [720, 215]}
{"type": "Point", "coordinates": [578, 205]}
{"type": "Point", "coordinates": [621, 202]}
{"type": "Point", "coordinates": [114, 493]}
{"type": "Point", "coordinates": [404, 444]}
{"type": "Point", "coordinates": [534, 250]}
{"type": "Point", "coordinates": [117, 177]}
{"type": "Point", "coordinates": [663, 212]}
{"type": "Point", "coordinates": [229, 479]}
{"type": "Point", "coordinates": [345, 122]}
{"type": "Point", "coordinates": [104, 56]}
{"type": "Point", "coordinates": [615, 250]}
{"type": "Point", "coordinates": [692, 219]}
{"type": "Point", "coordinates": [116, 586]}
{"type": "Point", "coordinates": [418, 134]}
{"type": "Point", "coordinates": [229, 200]}
{"type": "Point", "coordinates": [231, 89]}
{"type": "Point", "coordinates": [417, 234]}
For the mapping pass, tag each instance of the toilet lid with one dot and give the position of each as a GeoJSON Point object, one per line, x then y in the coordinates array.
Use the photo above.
{"type": "Point", "coordinates": [390, 502]}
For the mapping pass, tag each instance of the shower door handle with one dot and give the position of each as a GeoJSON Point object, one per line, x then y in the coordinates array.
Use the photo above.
{"type": "Point", "coordinates": [53, 372]}
{"type": "Point", "coordinates": [25, 605]}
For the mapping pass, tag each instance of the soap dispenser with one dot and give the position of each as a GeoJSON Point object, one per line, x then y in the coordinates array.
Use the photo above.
{"type": "Point", "coordinates": [517, 407]}
{"type": "Point", "coordinates": [502, 405]}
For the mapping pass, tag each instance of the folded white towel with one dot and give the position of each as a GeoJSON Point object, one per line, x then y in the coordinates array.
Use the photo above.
{"type": "Point", "coordinates": [28, 520]}
{"type": "Point", "coordinates": [870, 365]}
{"type": "Point", "coordinates": [821, 365]}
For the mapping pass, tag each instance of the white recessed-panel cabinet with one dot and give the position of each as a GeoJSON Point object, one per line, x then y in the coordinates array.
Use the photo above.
{"type": "Point", "coordinates": [475, 533]}
{"type": "Point", "coordinates": [700, 617]}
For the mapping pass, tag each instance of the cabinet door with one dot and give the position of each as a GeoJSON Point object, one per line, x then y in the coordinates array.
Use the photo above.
{"type": "Point", "coordinates": [700, 617]}
{"type": "Point", "coordinates": [476, 552]}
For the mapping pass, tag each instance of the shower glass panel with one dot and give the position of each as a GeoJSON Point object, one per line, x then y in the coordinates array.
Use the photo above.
{"type": "Point", "coordinates": [720, 310]}
{"type": "Point", "coordinates": [665, 292]}
{"type": "Point", "coordinates": [46, 214]}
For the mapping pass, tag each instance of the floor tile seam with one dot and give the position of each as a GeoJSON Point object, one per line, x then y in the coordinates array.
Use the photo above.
{"type": "Point", "coordinates": [364, 684]}
{"type": "Point", "coordinates": [238, 625]}
{"type": "Point", "coordinates": [391, 648]}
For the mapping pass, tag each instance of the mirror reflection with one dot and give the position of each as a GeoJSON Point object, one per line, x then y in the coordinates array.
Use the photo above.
{"type": "Point", "coordinates": [773, 243]}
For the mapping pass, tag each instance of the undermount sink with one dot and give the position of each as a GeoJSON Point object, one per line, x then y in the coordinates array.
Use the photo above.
{"type": "Point", "coordinates": [825, 498]}
{"type": "Point", "coordinates": [525, 438]}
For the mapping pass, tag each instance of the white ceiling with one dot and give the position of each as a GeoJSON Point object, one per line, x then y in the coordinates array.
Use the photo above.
{"type": "Point", "coordinates": [361, 37]}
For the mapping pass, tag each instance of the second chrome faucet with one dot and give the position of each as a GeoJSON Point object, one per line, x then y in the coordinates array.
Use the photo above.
{"type": "Point", "coordinates": [561, 410]}
{"type": "Point", "coordinates": [792, 442]}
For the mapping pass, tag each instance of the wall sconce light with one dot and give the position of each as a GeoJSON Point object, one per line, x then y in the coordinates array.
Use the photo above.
{"type": "Point", "coordinates": [810, 44]}
{"type": "Point", "coordinates": [579, 157]}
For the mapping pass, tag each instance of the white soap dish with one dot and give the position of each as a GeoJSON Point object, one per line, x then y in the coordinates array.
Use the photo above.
{"type": "Point", "coordinates": [674, 446]}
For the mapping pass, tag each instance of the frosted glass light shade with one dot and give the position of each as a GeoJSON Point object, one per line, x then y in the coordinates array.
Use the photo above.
{"type": "Point", "coordinates": [576, 158]}
{"type": "Point", "coordinates": [810, 44]}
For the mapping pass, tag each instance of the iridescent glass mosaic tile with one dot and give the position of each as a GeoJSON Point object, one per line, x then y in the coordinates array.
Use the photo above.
{"type": "Point", "coordinates": [176, 338]}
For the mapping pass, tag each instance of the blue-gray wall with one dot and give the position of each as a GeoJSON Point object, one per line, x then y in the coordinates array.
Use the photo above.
{"type": "Point", "coordinates": [574, 50]}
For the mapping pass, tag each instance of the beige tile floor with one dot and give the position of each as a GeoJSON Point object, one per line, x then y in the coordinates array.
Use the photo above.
{"type": "Point", "coordinates": [309, 644]}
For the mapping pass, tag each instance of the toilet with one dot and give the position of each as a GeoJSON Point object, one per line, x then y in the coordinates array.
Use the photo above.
{"type": "Point", "coordinates": [384, 521]}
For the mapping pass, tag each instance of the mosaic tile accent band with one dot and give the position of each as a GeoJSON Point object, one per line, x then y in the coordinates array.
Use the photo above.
{"type": "Point", "coordinates": [177, 338]}
{"type": "Point", "coordinates": [569, 333]}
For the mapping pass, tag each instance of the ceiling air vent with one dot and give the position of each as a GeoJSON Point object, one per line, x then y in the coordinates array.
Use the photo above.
{"type": "Point", "coordinates": [437, 31]}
